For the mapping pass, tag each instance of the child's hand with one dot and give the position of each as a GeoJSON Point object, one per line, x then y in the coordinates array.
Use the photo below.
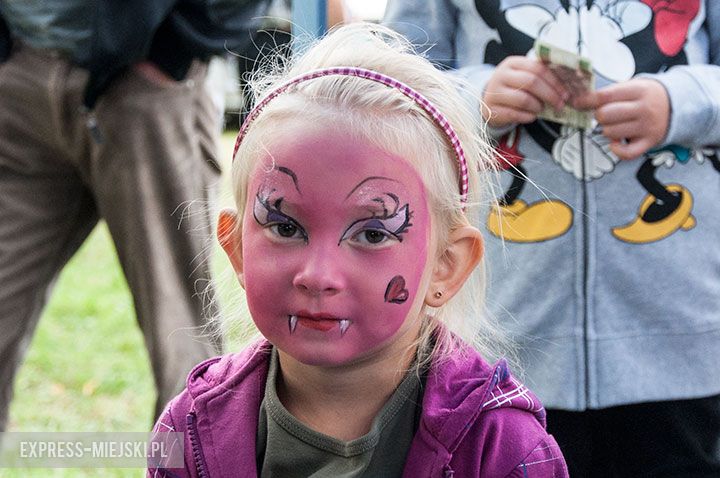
{"type": "Point", "coordinates": [634, 115]}
{"type": "Point", "coordinates": [517, 90]}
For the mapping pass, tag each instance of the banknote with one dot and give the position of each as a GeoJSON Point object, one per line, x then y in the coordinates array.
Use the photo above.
{"type": "Point", "coordinates": [576, 74]}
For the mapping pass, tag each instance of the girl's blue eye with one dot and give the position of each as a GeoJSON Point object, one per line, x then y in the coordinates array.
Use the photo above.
{"type": "Point", "coordinates": [275, 221]}
{"type": "Point", "coordinates": [285, 229]}
{"type": "Point", "coordinates": [379, 230]}
{"type": "Point", "coordinates": [372, 236]}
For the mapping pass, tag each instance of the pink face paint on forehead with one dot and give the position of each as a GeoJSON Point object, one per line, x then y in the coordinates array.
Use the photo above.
{"type": "Point", "coordinates": [419, 99]}
{"type": "Point", "coordinates": [326, 233]}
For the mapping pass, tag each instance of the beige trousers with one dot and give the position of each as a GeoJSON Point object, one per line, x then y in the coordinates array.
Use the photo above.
{"type": "Point", "coordinates": [150, 174]}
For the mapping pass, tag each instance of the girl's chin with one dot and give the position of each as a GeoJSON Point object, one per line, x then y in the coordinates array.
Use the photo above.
{"type": "Point", "coordinates": [333, 355]}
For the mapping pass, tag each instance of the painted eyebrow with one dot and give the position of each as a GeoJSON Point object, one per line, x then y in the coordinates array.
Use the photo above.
{"type": "Point", "coordinates": [370, 178]}
{"type": "Point", "coordinates": [292, 175]}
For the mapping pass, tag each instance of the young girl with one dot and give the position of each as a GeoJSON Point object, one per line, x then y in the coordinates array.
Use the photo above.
{"type": "Point", "coordinates": [355, 176]}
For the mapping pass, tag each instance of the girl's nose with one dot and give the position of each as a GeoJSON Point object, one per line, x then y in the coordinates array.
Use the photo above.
{"type": "Point", "coordinates": [321, 273]}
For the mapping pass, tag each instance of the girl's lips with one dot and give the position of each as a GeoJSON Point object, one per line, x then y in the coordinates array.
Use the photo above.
{"type": "Point", "coordinates": [321, 323]}
{"type": "Point", "coordinates": [317, 324]}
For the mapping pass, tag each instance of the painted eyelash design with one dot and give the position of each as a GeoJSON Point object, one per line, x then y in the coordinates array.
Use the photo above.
{"type": "Point", "coordinates": [272, 213]}
{"type": "Point", "coordinates": [395, 222]}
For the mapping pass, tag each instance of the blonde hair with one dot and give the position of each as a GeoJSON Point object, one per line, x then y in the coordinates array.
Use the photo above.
{"type": "Point", "coordinates": [387, 118]}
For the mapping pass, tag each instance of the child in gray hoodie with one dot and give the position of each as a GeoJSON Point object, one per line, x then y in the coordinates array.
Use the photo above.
{"type": "Point", "coordinates": [603, 247]}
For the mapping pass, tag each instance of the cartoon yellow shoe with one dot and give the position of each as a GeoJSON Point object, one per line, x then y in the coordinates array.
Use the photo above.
{"type": "Point", "coordinates": [645, 228]}
{"type": "Point", "coordinates": [520, 222]}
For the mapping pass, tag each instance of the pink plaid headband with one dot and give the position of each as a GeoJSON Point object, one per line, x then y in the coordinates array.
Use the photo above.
{"type": "Point", "coordinates": [418, 98]}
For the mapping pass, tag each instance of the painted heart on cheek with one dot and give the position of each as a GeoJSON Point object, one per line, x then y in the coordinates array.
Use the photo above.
{"type": "Point", "coordinates": [396, 291]}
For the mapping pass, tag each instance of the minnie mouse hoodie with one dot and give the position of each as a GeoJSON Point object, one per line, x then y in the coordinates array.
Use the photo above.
{"type": "Point", "coordinates": [607, 271]}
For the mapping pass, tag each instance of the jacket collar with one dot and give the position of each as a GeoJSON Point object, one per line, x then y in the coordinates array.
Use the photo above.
{"type": "Point", "coordinates": [459, 390]}
{"type": "Point", "coordinates": [227, 393]}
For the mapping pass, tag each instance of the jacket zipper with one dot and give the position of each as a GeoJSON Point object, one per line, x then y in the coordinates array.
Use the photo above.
{"type": "Point", "coordinates": [585, 272]}
{"type": "Point", "coordinates": [585, 245]}
{"type": "Point", "coordinates": [198, 456]}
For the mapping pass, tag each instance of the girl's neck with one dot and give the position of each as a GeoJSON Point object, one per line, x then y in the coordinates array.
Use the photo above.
{"type": "Point", "coordinates": [342, 401]}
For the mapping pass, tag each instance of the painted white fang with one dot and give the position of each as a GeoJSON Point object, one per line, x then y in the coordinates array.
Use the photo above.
{"type": "Point", "coordinates": [344, 324]}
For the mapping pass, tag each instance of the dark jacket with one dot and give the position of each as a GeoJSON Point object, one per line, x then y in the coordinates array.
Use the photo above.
{"type": "Point", "coordinates": [170, 33]}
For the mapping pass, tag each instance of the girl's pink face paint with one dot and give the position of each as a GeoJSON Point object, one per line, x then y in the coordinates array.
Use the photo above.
{"type": "Point", "coordinates": [335, 240]}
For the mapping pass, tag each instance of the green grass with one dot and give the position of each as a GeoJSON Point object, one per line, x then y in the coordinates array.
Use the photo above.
{"type": "Point", "coordinates": [86, 368]}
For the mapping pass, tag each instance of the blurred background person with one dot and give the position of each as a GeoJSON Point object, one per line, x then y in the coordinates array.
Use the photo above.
{"type": "Point", "coordinates": [104, 115]}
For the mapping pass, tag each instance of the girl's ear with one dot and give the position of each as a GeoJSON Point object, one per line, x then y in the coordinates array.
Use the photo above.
{"type": "Point", "coordinates": [230, 239]}
{"type": "Point", "coordinates": [455, 264]}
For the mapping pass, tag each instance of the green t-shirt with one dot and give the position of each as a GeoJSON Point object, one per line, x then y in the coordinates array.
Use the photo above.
{"type": "Point", "coordinates": [287, 448]}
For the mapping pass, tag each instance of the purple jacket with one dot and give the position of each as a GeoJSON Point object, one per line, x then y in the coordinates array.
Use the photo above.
{"type": "Point", "coordinates": [477, 421]}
